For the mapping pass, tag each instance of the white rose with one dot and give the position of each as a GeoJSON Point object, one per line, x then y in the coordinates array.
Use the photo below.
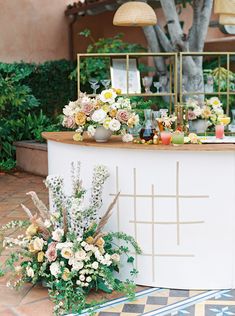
{"type": "Point", "coordinates": [29, 272]}
{"type": "Point", "coordinates": [80, 255]}
{"type": "Point", "coordinates": [91, 130]}
{"type": "Point", "coordinates": [115, 257]}
{"type": "Point", "coordinates": [114, 125]}
{"type": "Point", "coordinates": [38, 244]}
{"type": "Point", "coordinates": [197, 111]}
{"type": "Point", "coordinates": [55, 268]}
{"type": "Point", "coordinates": [62, 245]}
{"type": "Point", "coordinates": [95, 265]}
{"type": "Point", "coordinates": [126, 138]}
{"type": "Point", "coordinates": [82, 278]}
{"type": "Point", "coordinates": [99, 116]}
{"type": "Point", "coordinates": [78, 265]}
{"type": "Point", "coordinates": [66, 253]}
{"type": "Point", "coordinates": [57, 234]}
{"type": "Point", "coordinates": [88, 279]}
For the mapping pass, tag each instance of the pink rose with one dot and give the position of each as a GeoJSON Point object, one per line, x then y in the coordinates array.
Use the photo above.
{"type": "Point", "coordinates": [191, 115]}
{"type": "Point", "coordinates": [69, 122]}
{"type": "Point", "coordinates": [51, 253]}
{"type": "Point", "coordinates": [88, 108]}
{"type": "Point", "coordinates": [123, 116]}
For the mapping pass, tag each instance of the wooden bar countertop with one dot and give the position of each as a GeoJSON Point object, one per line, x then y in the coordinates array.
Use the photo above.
{"type": "Point", "coordinates": [116, 142]}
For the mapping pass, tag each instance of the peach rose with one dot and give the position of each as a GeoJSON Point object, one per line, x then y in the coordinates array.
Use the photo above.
{"type": "Point", "coordinates": [51, 253]}
{"type": "Point", "coordinates": [88, 108]}
{"type": "Point", "coordinates": [80, 118]}
{"type": "Point", "coordinates": [123, 116]}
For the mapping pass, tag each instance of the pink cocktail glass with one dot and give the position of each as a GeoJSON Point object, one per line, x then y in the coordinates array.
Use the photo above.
{"type": "Point", "coordinates": [166, 138]}
{"type": "Point", "coordinates": [219, 131]}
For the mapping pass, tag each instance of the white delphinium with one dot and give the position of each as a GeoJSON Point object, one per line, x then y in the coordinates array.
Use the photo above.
{"type": "Point", "coordinates": [75, 175]}
{"type": "Point", "coordinates": [100, 174]}
{"type": "Point", "coordinates": [55, 184]}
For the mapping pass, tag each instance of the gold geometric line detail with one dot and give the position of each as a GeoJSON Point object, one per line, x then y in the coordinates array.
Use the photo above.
{"type": "Point", "coordinates": [177, 203]}
{"type": "Point", "coordinates": [117, 190]}
{"type": "Point", "coordinates": [153, 234]}
{"type": "Point", "coordinates": [169, 223]}
{"type": "Point", "coordinates": [135, 212]}
{"type": "Point", "coordinates": [163, 196]}
{"type": "Point", "coordinates": [168, 255]}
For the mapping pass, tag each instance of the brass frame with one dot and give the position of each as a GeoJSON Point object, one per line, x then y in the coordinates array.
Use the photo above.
{"type": "Point", "coordinates": [173, 94]}
{"type": "Point", "coordinates": [219, 93]}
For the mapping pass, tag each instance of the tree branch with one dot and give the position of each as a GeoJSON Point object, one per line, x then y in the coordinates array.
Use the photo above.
{"type": "Point", "coordinates": [176, 34]}
{"type": "Point", "coordinates": [204, 22]}
{"type": "Point", "coordinates": [154, 46]}
{"type": "Point", "coordinates": [163, 39]}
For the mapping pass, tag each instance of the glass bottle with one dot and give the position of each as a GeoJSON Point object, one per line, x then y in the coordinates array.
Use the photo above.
{"type": "Point", "coordinates": [147, 131]}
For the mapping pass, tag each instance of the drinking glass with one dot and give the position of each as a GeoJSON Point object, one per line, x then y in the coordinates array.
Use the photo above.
{"type": "Point", "coordinates": [166, 138]}
{"type": "Point", "coordinates": [147, 82]}
{"type": "Point", "coordinates": [219, 131]}
{"type": "Point", "coordinates": [157, 85]}
{"type": "Point", "coordinates": [106, 83]}
{"type": "Point", "coordinates": [94, 84]}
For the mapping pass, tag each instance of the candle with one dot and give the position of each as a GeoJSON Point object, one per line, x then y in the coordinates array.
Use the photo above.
{"type": "Point", "coordinates": [178, 137]}
{"type": "Point", "coordinates": [219, 131]}
{"type": "Point", "coordinates": [166, 138]}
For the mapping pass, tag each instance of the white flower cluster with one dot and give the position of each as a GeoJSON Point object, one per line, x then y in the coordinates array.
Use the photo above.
{"type": "Point", "coordinates": [100, 174]}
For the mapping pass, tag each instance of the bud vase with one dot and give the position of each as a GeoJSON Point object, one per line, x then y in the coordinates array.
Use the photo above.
{"type": "Point", "coordinates": [102, 135]}
{"type": "Point", "coordinates": [198, 126]}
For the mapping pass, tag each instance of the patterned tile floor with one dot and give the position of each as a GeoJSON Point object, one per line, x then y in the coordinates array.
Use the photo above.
{"type": "Point", "coordinates": [34, 301]}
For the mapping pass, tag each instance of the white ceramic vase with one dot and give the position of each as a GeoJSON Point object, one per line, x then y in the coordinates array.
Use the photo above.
{"type": "Point", "coordinates": [102, 135]}
{"type": "Point", "coordinates": [198, 126]}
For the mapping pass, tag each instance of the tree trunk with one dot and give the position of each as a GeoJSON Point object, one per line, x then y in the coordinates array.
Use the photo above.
{"type": "Point", "coordinates": [193, 80]}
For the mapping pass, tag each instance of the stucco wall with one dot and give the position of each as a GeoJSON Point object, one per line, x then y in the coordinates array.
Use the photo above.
{"type": "Point", "coordinates": [33, 30]}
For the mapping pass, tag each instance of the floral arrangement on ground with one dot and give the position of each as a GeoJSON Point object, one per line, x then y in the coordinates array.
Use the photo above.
{"type": "Point", "coordinates": [66, 247]}
{"type": "Point", "coordinates": [107, 110]}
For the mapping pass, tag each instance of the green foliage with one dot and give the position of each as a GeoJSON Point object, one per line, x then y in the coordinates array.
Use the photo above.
{"type": "Point", "coordinates": [51, 85]}
{"type": "Point", "coordinates": [20, 114]}
{"type": "Point", "coordinates": [99, 67]}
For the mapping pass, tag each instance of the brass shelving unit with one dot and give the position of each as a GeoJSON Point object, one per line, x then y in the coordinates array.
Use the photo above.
{"type": "Point", "coordinates": [173, 66]}
{"type": "Point", "coordinates": [218, 93]}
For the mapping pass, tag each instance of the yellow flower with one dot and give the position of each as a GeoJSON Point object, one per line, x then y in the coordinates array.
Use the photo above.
{"type": "Point", "coordinates": [118, 91]}
{"type": "Point", "coordinates": [31, 247]}
{"type": "Point", "coordinates": [105, 108]}
{"type": "Point", "coordinates": [206, 112]}
{"type": "Point", "coordinates": [40, 256]}
{"type": "Point", "coordinates": [90, 240]}
{"type": "Point", "coordinates": [66, 274]}
{"type": "Point", "coordinates": [80, 118]}
{"type": "Point", "coordinates": [78, 137]}
{"type": "Point", "coordinates": [113, 113]}
{"type": "Point", "coordinates": [100, 243]}
{"type": "Point", "coordinates": [106, 122]}
{"type": "Point", "coordinates": [32, 230]}
{"type": "Point", "coordinates": [67, 253]}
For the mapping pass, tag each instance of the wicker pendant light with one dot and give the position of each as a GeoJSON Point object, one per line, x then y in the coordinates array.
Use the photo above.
{"type": "Point", "coordinates": [224, 7]}
{"type": "Point", "coordinates": [135, 13]}
{"type": "Point", "coordinates": [226, 11]}
{"type": "Point", "coordinates": [226, 19]}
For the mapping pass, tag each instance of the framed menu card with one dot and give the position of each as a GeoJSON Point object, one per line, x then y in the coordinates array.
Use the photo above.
{"type": "Point", "coordinates": [119, 75]}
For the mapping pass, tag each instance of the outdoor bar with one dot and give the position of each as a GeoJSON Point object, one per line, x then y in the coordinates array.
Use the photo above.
{"type": "Point", "coordinates": [176, 201]}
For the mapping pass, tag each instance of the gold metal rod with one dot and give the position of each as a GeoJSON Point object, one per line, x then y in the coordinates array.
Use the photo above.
{"type": "Point", "coordinates": [181, 77]}
{"type": "Point", "coordinates": [78, 75]}
{"type": "Point", "coordinates": [228, 85]}
{"type": "Point", "coordinates": [170, 88]}
{"type": "Point", "coordinates": [127, 74]}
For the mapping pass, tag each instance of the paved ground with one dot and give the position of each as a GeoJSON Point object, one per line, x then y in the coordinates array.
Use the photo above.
{"type": "Point", "coordinates": [30, 301]}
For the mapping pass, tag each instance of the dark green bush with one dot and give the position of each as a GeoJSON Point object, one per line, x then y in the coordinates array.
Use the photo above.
{"type": "Point", "coordinates": [20, 113]}
{"type": "Point", "coordinates": [51, 85]}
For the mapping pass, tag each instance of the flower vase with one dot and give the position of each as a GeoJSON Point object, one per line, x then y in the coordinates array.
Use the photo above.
{"type": "Point", "coordinates": [102, 135]}
{"type": "Point", "coordinates": [198, 126]}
